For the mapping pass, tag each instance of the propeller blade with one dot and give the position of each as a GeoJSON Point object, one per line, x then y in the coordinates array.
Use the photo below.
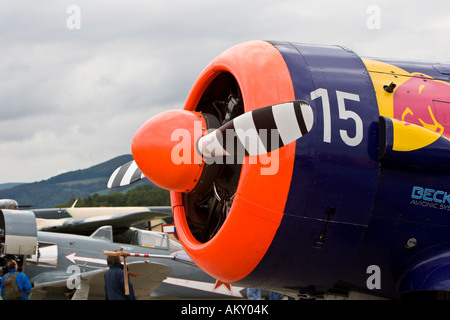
{"type": "Point", "coordinates": [259, 131]}
{"type": "Point", "coordinates": [125, 175]}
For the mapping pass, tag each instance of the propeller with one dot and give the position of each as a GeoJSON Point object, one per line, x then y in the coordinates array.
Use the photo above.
{"type": "Point", "coordinates": [124, 175]}
{"type": "Point", "coordinates": [253, 133]}
{"type": "Point", "coordinates": [259, 131]}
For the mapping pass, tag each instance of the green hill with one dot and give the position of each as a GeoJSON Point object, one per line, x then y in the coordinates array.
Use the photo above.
{"type": "Point", "coordinates": [75, 184]}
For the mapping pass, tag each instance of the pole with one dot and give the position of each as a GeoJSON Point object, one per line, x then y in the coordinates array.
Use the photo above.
{"type": "Point", "coordinates": [125, 276]}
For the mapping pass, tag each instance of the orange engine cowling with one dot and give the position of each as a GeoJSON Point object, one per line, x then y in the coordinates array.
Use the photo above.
{"type": "Point", "coordinates": [211, 205]}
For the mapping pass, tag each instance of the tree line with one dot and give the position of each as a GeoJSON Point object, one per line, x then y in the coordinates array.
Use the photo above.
{"type": "Point", "coordinates": [146, 195]}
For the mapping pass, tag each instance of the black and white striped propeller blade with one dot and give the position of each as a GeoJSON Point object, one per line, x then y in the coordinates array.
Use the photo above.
{"type": "Point", "coordinates": [259, 131]}
{"type": "Point", "coordinates": [124, 175]}
{"type": "Point", "coordinates": [253, 133]}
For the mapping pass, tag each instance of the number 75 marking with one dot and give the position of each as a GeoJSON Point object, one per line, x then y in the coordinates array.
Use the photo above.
{"type": "Point", "coordinates": [343, 114]}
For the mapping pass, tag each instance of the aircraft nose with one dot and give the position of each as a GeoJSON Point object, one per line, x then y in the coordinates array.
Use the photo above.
{"type": "Point", "coordinates": [163, 148]}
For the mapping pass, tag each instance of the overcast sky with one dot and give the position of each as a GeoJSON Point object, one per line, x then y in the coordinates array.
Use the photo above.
{"type": "Point", "coordinates": [79, 77]}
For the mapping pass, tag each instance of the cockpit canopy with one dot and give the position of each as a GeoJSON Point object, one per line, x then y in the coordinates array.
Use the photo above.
{"type": "Point", "coordinates": [138, 237]}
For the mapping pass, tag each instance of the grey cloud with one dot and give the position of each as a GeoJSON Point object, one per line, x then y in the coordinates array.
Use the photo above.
{"type": "Point", "coordinates": [72, 98]}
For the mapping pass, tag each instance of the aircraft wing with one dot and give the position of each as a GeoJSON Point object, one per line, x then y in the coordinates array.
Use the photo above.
{"type": "Point", "coordinates": [84, 221]}
{"type": "Point", "coordinates": [144, 276]}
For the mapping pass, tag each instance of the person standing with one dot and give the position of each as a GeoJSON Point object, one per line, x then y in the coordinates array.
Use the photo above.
{"type": "Point", "coordinates": [115, 281]}
{"type": "Point", "coordinates": [14, 284]}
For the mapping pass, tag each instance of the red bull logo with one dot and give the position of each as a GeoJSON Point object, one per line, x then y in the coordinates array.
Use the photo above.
{"type": "Point", "coordinates": [415, 101]}
{"type": "Point", "coordinates": [419, 105]}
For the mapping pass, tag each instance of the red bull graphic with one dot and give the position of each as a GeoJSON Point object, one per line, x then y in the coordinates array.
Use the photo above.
{"type": "Point", "coordinates": [416, 100]}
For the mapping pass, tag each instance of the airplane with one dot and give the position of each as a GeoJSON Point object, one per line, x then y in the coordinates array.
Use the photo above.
{"type": "Point", "coordinates": [85, 220]}
{"type": "Point", "coordinates": [65, 266]}
{"type": "Point", "coordinates": [310, 170]}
